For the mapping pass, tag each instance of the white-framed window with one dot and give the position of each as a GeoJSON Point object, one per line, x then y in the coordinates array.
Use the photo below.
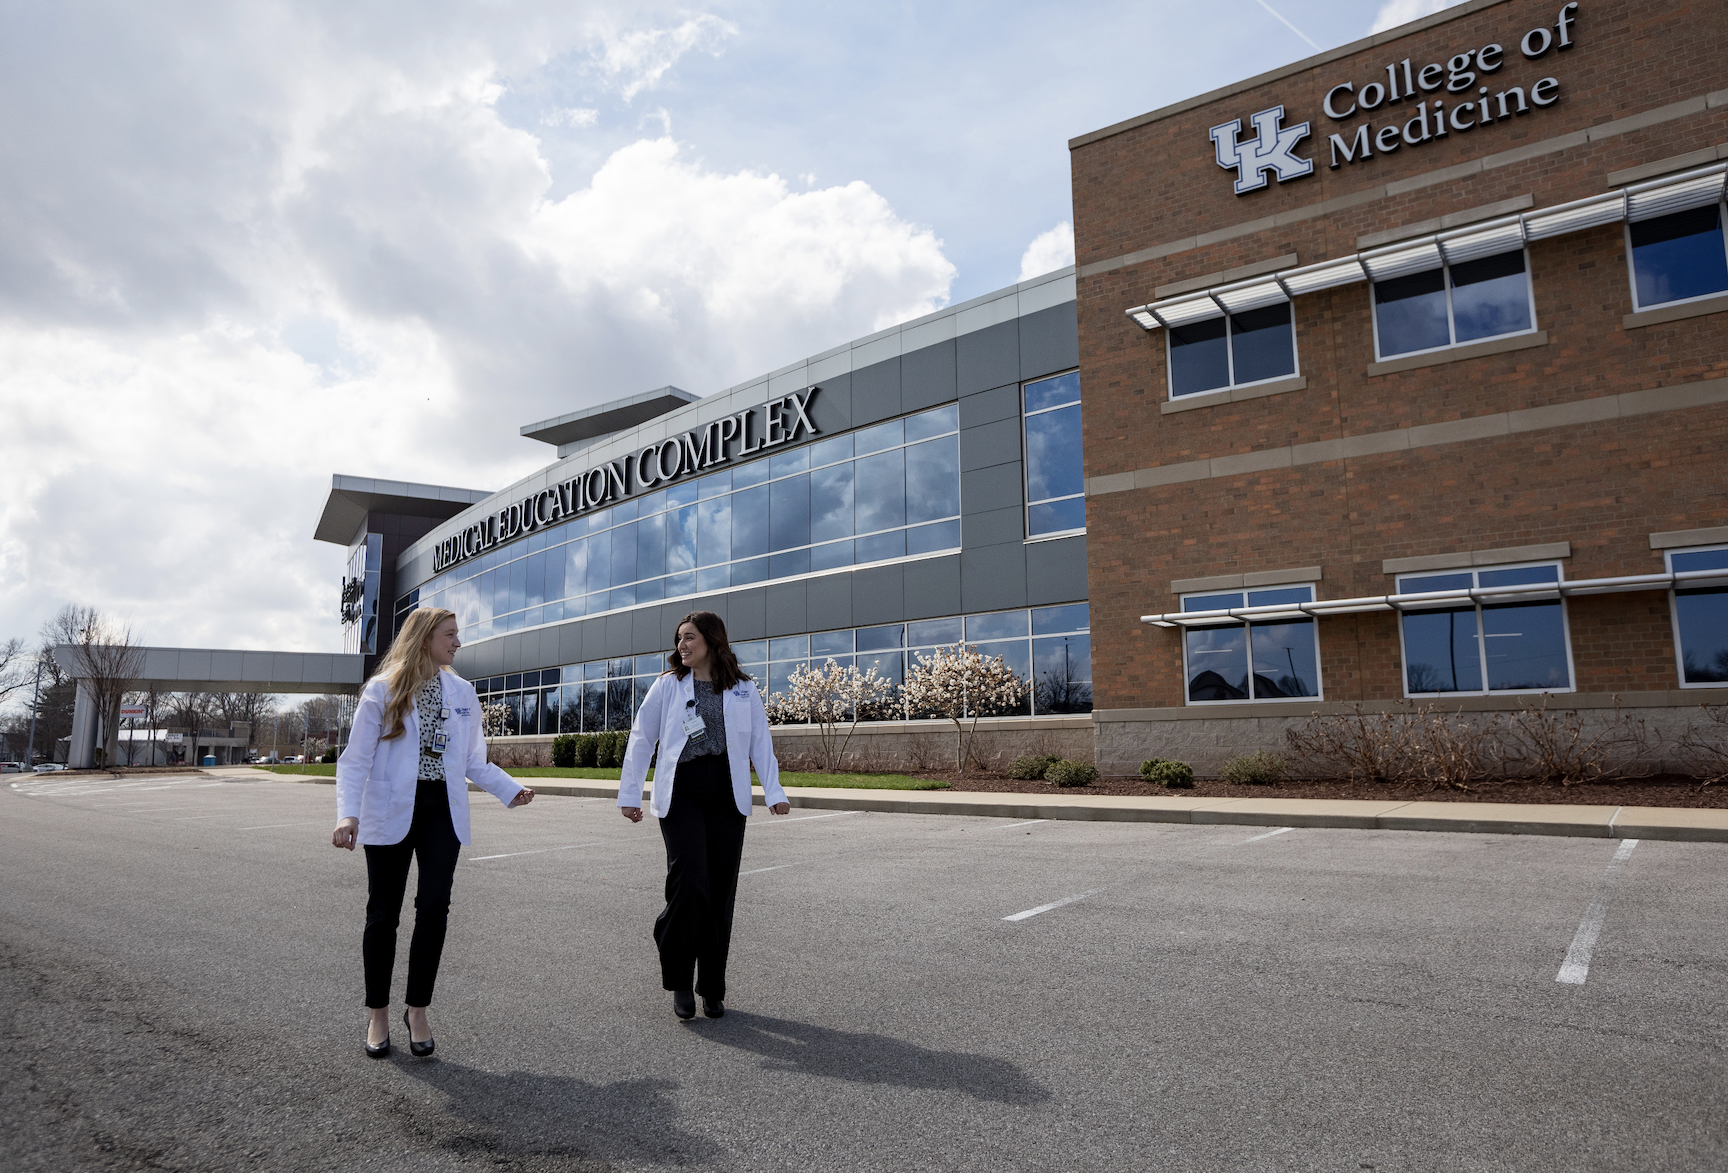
{"type": "Point", "coordinates": [1677, 258]}
{"type": "Point", "coordinates": [1481, 647]}
{"type": "Point", "coordinates": [1700, 620]}
{"type": "Point", "coordinates": [1263, 660]}
{"type": "Point", "coordinates": [1453, 304]}
{"type": "Point", "coordinates": [1236, 350]}
{"type": "Point", "coordinates": [1055, 469]}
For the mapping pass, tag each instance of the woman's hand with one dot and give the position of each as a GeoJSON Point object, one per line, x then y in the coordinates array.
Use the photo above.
{"type": "Point", "coordinates": [346, 832]}
{"type": "Point", "coordinates": [781, 808]}
{"type": "Point", "coordinates": [633, 813]}
{"type": "Point", "coordinates": [523, 797]}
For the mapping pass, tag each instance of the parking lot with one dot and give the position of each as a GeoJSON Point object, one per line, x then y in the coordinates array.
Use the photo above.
{"type": "Point", "coordinates": [908, 992]}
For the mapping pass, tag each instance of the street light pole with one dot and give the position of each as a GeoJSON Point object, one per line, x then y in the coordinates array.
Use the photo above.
{"type": "Point", "coordinates": [35, 707]}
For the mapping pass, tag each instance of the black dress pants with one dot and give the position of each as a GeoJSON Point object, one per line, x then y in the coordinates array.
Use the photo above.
{"type": "Point", "coordinates": [704, 836]}
{"type": "Point", "coordinates": [432, 837]}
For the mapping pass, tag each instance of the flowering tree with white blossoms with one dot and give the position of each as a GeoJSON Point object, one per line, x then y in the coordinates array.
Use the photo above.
{"type": "Point", "coordinates": [832, 698]}
{"type": "Point", "coordinates": [958, 683]}
{"type": "Point", "coordinates": [493, 719]}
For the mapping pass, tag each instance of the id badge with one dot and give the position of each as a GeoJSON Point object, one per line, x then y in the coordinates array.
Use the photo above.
{"type": "Point", "coordinates": [440, 742]}
{"type": "Point", "coordinates": [444, 713]}
{"type": "Point", "coordinates": [694, 729]}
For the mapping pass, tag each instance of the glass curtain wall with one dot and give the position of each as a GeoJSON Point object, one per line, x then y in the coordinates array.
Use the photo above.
{"type": "Point", "coordinates": [888, 491]}
{"type": "Point", "coordinates": [1049, 647]}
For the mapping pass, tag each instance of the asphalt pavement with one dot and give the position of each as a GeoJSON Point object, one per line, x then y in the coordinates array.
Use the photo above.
{"type": "Point", "coordinates": [181, 984]}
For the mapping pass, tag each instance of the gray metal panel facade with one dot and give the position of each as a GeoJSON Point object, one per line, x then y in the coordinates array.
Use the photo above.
{"type": "Point", "coordinates": [982, 370]}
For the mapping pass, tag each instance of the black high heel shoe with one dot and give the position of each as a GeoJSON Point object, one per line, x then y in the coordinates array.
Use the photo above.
{"type": "Point", "coordinates": [684, 1003]}
{"type": "Point", "coordinates": [381, 1050]}
{"type": "Point", "coordinates": [713, 1007]}
{"type": "Point", "coordinates": [418, 1050]}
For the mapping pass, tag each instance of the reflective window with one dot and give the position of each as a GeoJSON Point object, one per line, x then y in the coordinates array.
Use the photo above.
{"type": "Point", "coordinates": [1258, 660]}
{"type": "Point", "coordinates": [881, 493]}
{"type": "Point", "coordinates": [1055, 469]}
{"type": "Point", "coordinates": [1249, 347]}
{"type": "Point", "coordinates": [1485, 298]}
{"type": "Point", "coordinates": [1050, 648]}
{"type": "Point", "coordinates": [1678, 257]}
{"type": "Point", "coordinates": [1519, 645]}
{"type": "Point", "coordinates": [1701, 619]}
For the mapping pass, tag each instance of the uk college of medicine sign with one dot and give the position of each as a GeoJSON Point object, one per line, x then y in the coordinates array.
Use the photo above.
{"type": "Point", "coordinates": [1413, 99]}
{"type": "Point", "coordinates": [779, 421]}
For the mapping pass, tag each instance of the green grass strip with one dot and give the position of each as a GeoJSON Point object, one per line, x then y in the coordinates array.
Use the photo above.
{"type": "Point", "coordinates": [787, 777]}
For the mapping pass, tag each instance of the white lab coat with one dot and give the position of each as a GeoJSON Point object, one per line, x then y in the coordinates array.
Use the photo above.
{"type": "Point", "coordinates": [376, 779]}
{"type": "Point", "coordinates": [661, 719]}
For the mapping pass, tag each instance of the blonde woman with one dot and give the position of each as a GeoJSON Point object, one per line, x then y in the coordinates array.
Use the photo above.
{"type": "Point", "coordinates": [402, 791]}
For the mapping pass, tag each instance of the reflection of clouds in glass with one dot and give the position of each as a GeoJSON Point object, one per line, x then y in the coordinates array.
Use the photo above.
{"type": "Point", "coordinates": [831, 503]}
{"type": "Point", "coordinates": [1054, 465]}
{"type": "Point", "coordinates": [880, 501]}
{"type": "Point", "coordinates": [933, 480]}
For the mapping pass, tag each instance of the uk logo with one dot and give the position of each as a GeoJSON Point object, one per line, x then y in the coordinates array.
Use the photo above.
{"type": "Point", "coordinates": [1270, 151]}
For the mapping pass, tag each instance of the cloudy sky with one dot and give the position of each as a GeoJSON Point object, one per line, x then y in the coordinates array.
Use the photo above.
{"type": "Point", "coordinates": [245, 245]}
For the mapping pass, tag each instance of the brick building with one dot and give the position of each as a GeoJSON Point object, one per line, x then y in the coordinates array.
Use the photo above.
{"type": "Point", "coordinates": [1405, 377]}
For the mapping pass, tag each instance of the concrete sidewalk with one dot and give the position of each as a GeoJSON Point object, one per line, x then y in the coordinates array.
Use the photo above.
{"type": "Point", "coordinates": [1494, 818]}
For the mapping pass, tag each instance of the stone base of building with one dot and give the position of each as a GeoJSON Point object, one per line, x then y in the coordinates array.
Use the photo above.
{"type": "Point", "coordinates": [886, 746]}
{"type": "Point", "coordinates": [1207, 736]}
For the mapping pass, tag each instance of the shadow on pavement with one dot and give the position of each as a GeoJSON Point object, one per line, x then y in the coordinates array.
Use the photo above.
{"type": "Point", "coordinates": [867, 1058]}
{"type": "Point", "coordinates": [507, 1116]}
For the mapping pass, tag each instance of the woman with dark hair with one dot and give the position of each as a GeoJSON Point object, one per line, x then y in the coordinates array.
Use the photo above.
{"type": "Point", "coordinates": [707, 718]}
{"type": "Point", "coordinates": [401, 792]}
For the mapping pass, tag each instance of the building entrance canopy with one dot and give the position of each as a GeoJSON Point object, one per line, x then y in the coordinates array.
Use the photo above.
{"type": "Point", "coordinates": [210, 670]}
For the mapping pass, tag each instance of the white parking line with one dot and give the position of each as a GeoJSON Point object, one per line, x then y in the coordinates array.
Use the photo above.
{"type": "Point", "coordinates": [775, 822]}
{"type": "Point", "coordinates": [1027, 823]}
{"type": "Point", "coordinates": [1031, 912]}
{"type": "Point", "coordinates": [1267, 835]}
{"type": "Point", "coordinates": [539, 850]}
{"type": "Point", "coordinates": [1576, 967]}
{"type": "Point", "coordinates": [272, 826]}
{"type": "Point", "coordinates": [775, 868]}
{"type": "Point", "coordinates": [190, 818]}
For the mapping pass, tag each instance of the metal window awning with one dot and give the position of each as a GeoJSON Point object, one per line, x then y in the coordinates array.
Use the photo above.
{"type": "Point", "coordinates": [1658, 197]}
{"type": "Point", "coordinates": [1440, 600]}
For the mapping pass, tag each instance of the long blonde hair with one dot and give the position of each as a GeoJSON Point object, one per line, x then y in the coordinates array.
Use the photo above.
{"type": "Point", "coordinates": [408, 665]}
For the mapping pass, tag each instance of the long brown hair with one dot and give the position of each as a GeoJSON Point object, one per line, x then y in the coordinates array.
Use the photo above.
{"type": "Point", "coordinates": [408, 665]}
{"type": "Point", "coordinates": [722, 664]}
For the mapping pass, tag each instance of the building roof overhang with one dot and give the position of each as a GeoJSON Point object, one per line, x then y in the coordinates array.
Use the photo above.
{"type": "Point", "coordinates": [594, 423]}
{"type": "Point", "coordinates": [352, 498]}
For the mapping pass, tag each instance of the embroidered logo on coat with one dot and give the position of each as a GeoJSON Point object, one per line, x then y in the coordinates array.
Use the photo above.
{"type": "Point", "coordinates": [463, 711]}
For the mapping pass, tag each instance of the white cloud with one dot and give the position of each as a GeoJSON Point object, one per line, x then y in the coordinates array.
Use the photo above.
{"type": "Point", "coordinates": [735, 257]}
{"type": "Point", "coordinates": [573, 117]}
{"type": "Point", "coordinates": [1048, 251]}
{"type": "Point", "coordinates": [335, 256]}
{"type": "Point", "coordinates": [1396, 12]}
{"type": "Point", "coordinates": [636, 60]}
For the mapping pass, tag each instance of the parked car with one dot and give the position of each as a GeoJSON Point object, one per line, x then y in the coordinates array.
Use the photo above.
{"type": "Point", "coordinates": [48, 767]}
{"type": "Point", "coordinates": [11, 767]}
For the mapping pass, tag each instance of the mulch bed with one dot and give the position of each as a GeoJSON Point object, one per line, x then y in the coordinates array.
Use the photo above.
{"type": "Point", "coordinates": [1660, 790]}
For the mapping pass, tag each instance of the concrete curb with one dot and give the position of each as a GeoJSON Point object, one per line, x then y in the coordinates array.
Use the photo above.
{"type": "Point", "coordinates": [1679, 824]}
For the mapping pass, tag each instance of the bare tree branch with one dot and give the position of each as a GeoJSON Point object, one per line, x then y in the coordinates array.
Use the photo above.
{"type": "Point", "coordinates": [103, 656]}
